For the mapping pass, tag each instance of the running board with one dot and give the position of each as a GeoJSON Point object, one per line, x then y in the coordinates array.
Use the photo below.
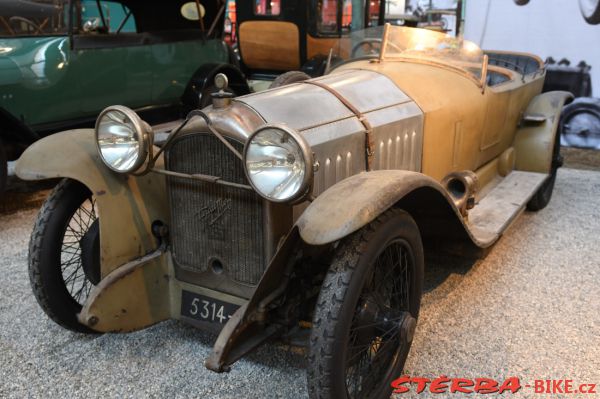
{"type": "Point", "coordinates": [497, 210]}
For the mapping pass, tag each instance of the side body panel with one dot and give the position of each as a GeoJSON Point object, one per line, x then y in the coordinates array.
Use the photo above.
{"type": "Point", "coordinates": [465, 127]}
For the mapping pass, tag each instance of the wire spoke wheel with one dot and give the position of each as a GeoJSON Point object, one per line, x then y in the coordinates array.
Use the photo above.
{"type": "Point", "coordinates": [375, 336]}
{"type": "Point", "coordinates": [64, 253]}
{"type": "Point", "coordinates": [74, 276]}
{"type": "Point", "coordinates": [367, 309]}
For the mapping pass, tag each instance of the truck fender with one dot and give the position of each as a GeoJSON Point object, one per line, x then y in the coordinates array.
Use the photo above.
{"type": "Point", "coordinates": [536, 136]}
{"type": "Point", "coordinates": [203, 79]}
{"type": "Point", "coordinates": [356, 201]}
{"type": "Point", "coordinates": [127, 205]}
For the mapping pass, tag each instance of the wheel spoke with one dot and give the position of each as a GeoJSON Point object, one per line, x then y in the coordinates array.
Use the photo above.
{"type": "Point", "coordinates": [372, 344]}
{"type": "Point", "coordinates": [74, 277]}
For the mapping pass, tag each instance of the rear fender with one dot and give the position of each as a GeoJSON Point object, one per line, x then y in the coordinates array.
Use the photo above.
{"type": "Point", "coordinates": [536, 136]}
{"type": "Point", "coordinates": [127, 205]}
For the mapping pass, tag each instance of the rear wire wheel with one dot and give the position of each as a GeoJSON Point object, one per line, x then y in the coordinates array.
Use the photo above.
{"type": "Point", "coordinates": [64, 253]}
{"type": "Point", "coordinates": [367, 311]}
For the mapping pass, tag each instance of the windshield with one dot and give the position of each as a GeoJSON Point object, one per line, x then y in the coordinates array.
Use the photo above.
{"type": "Point", "coordinates": [417, 45]}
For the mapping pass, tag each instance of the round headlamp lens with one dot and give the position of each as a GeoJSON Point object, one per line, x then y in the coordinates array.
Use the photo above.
{"type": "Point", "coordinates": [277, 164]}
{"type": "Point", "coordinates": [120, 140]}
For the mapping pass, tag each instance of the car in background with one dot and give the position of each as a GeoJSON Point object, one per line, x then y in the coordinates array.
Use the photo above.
{"type": "Point", "coordinates": [62, 62]}
{"type": "Point", "coordinates": [278, 36]}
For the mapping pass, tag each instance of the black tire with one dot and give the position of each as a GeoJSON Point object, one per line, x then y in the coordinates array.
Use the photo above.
{"type": "Point", "coordinates": [347, 301]}
{"type": "Point", "coordinates": [521, 2]}
{"type": "Point", "coordinates": [3, 168]}
{"type": "Point", "coordinates": [60, 281]}
{"type": "Point", "coordinates": [590, 9]}
{"type": "Point", "coordinates": [289, 78]}
{"type": "Point", "coordinates": [542, 197]}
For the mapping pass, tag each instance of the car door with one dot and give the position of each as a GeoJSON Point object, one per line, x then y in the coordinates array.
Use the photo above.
{"type": "Point", "coordinates": [111, 57]}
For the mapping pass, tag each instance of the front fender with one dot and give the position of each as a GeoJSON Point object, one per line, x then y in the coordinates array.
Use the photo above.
{"type": "Point", "coordinates": [127, 205]}
{"type": "Point", "coordinates": [356, 201]}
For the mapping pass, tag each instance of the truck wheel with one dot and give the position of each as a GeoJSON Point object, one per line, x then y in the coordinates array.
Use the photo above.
{"type": "Point", "coordinates": [3, 168]}
{"type": "Point", "coordinates": [590, 9]}
{"type": "Point", "coordinates": [521, 2]}
{"type": "Point", "coordinates": [367, 310]}
{"type": "Point", "coordinates": [288, 78]}
{"type": "Point", "coordinates": [542, 197]}
{"type": "Point", "coordinates": [64, 253]}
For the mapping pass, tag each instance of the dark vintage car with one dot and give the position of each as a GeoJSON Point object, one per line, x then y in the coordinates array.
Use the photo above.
{"type": "Point", "coordinates": [62, 62]}
{"type": "Point", "coordinates": [298, 35]}
{"type": "Point", "coordinates": [301, 210]}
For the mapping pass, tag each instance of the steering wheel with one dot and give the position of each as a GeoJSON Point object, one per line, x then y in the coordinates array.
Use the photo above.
{"type": "Point", "coordinates": [374, 47]}
{"type": "Point", "coordinates": [29, 22]}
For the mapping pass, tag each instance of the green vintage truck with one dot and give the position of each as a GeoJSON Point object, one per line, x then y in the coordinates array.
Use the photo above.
{"type": "Point", "coordinates": [63, 61]}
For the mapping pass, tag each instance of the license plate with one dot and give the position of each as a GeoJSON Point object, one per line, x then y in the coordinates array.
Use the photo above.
{"type": "Point", "coordinates": [203, 308]}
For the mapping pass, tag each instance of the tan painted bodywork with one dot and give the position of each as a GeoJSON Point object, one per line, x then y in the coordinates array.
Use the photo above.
{"type": "Point", "coordinates": [465, 126]}
{"type": "Point", "coordinates": [127, 205]}
{"type": "Point", "coordinates": [534, 141]}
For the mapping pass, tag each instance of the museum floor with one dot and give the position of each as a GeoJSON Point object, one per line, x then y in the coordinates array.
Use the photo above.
{"type": "Point", "coordinates": [529, 309]}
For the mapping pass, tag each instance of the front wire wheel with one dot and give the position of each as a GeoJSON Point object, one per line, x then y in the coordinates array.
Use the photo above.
{"type": "Point", "coordinates": [367, 310]}
{"type": "Point", "coordinates": [64, 253]}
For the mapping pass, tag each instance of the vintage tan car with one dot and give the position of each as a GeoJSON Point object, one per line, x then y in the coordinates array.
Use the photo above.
{"type": "Point", "coordinates": [300, 209]}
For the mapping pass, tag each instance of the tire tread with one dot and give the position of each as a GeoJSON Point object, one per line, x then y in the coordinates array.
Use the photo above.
{"type": "Point", "coordinates": [332, 295]}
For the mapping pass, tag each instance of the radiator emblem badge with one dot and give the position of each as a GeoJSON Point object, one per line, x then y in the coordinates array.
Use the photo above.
{"type": "Point", "coordinates": [212, 213]}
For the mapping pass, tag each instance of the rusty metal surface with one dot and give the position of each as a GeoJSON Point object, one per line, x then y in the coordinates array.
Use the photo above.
{"type": "Point", "coordinates": [132, 297]}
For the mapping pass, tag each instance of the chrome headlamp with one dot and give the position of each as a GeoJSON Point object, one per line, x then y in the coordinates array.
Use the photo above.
{"type": "Point", "coordinates": [123, 139]}
{"type": "Point", "coordinates": [279, 163]}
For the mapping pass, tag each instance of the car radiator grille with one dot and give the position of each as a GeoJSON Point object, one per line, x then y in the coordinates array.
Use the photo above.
{"type": "Point", "coordinates": [213, 226]}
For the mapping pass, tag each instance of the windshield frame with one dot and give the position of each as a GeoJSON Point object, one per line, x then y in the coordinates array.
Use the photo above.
{"type": "Point", "coordinates": [480, 82]}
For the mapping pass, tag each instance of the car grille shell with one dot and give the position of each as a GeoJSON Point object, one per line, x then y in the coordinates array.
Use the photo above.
{"type": "Point", "coordinates": [214, 228]}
